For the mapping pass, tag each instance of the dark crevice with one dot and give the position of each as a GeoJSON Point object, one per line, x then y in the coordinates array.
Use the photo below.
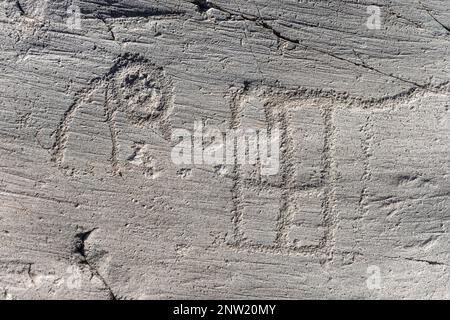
{"type": "Point", "coordinates": [428, 11]}
{"type": "Point", "coordinates": [20, 8]}
{"type": "Point", "coordinates": [109, 27]}
{"type": "Point", "coordinates": [430, 262]}
{"type": "Point", "coordinates": [202, 5]}
{"type": "Point", "coordinates": [80, 252]}
{"type": "Point", "coordinates": [29, 273]}
{"type": "Point", "coordinates": [80, 239]}
{"type": "Point", "coordinates": [440, 23]}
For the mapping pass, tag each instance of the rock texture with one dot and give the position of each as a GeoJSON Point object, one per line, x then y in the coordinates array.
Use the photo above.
{"type": "Point", "coordinates": [93, 207]}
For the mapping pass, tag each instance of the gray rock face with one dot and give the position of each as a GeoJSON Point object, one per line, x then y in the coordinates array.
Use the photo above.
{"type": "Point", "coordinates": [122, 175]}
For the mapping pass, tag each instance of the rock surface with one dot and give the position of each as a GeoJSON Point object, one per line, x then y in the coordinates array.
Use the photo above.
{"type": "Point", "coordinates": [92, 206]}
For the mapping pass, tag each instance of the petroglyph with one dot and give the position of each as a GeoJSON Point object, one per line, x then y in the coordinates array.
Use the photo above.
{"type": "Point", "coordinates": [289, 212]}
{"type": "Point", "coordinates": [295, 212]}
{"type": "Point", "coordinates": [355, 204]}
{"type": "Point", "coordinates": [133, 87]}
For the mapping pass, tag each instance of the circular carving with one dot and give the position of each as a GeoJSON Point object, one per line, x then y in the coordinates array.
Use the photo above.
{"type": "Point", "coordinates": [143, 92]}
